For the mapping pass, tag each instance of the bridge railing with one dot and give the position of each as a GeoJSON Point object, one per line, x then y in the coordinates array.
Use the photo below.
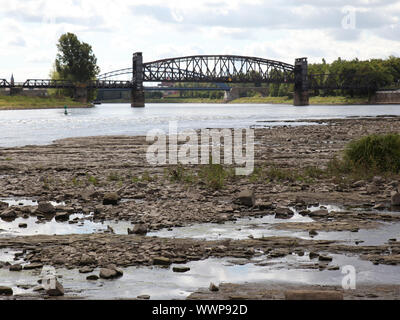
{"type": "Point", "coordinates": [48, 84]}
{"type": "Point", "coordinates": [4, 83]}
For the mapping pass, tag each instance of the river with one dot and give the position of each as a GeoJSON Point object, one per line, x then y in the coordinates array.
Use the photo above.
{"type": "Point", "coordinates": [38, 127]}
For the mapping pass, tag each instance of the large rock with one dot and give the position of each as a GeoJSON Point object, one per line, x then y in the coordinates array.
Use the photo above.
{"type": "Point", "coordinates": [3, 205]}
{"type": "Point", "coordinates": [396, 199]}
{"type": "Point", "coordinates": [140, 229]}
{"type": "Point", "coordinates": [161, 261]}
{"type": "Point", "coordinates": [6, 291]}
{"type": "Point", "coordinates": [180, 269]}
{"type": "Point", "coordinates": [313, 295]}
{"type": "Point", "coordinates": [8, 214]}
{"type": "Point", "coordinates": [87, 260]}
{"type": "Point", "coordinates": [46, 208]}
{"type": "Point", "coordinates": [111, 198]}
{"type": "Point", "coordinates": [62, 216]}
{"type": "Point", "coordinates": [16, 267]}
{"type": "Point", "coordinates": [283, 213]}
{"type": "Point", "coordinates": [247, 198]}
{"type": "Point", "coordinates": [57, 290]}
{"type": "Point", "coordinates": [106, 273]}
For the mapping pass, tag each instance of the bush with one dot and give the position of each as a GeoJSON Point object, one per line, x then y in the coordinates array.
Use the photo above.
{"type": "Point", "coordinates": [379, 153]}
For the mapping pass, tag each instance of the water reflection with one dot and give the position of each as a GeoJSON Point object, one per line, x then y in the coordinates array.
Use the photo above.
{"type": "Point", "coordinates": [23, 127]}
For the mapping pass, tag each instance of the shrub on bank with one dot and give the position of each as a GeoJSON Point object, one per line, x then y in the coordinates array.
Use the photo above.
{"type": "Point", "coordinates": [376, 153]}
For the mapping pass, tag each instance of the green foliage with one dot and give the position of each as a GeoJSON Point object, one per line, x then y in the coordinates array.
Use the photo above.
{"type": "Point", "coordinates": [214, 176]}
{"type": "Point", "coordinates": [379, 153]}
{"type": "Point", "coordinates": [75, 60]}
{"type": "Point", "coordinates": [92, 180]}
{"type": "Point", "coordinates": [374, 73]}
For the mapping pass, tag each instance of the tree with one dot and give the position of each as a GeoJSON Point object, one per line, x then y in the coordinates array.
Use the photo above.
{"type": "Point", "coordinates": [75, 60]}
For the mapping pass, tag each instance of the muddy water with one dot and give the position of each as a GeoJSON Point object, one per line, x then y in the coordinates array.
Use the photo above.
{"type": "Point", "coordinates": [161, 283]}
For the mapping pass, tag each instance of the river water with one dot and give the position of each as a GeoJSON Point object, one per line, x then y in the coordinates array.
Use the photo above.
{"type": "Point", "coordinates": [38, 127]}
{"type": "Point", "coordinates": [27, 127]}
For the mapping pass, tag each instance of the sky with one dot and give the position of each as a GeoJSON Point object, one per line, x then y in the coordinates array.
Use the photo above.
{"type": "Point", "coordinates": [279, 30]}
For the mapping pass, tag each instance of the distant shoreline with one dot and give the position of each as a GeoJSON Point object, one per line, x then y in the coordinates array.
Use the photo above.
{"type": "Point", "coordinates": [28, 103]}
{"type": "Point", "coordinates": [86, 106]}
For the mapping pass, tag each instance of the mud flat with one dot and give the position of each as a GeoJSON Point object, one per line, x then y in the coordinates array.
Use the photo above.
{"type": "Point", "coordinates": [70, 204]}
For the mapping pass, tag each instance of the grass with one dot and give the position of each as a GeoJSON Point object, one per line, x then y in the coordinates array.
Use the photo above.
{"type": "Point", "coordinates": [22, 102]}
{"type": "Point", "coordinates": [213, 176]}
{"type": "Point", "coordinates": [185, 100]}
{"type": "Point", "coordinates": [368, 156]}
{"type": "Point", "coordinates": [330, 100]}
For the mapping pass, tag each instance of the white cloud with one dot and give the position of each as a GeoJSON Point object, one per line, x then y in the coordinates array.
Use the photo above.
{"type": "Point", "coordinates": [276, 29]}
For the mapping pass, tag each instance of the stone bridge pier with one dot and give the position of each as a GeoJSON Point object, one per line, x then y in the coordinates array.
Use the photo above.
{"type": "Point", "coordinates": [137, 94]}
{"type": "Point", "coordinates": [301, 86]}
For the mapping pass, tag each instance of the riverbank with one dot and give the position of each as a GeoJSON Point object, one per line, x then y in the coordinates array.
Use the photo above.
{"type": "Point", "coordinates": [81, 173]}
{"type": "Point", "coordinates": [22, 103]}
{"type": "Point", "coordinates": [267, 100]}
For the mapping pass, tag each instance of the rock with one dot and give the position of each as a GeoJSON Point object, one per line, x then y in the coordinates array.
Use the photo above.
{"type": "Point", "coordinates": [38, 289]}
{"type": "Point", "coordinates": [325, 258]}
{"type": "Point", "coordinates": [119, 272]}
{"type": "Point", "coordinates": [283, 213]}
{"type": "Point", "coordinates": [380, 206]}
{"type": "Point", "coordinates": [140, 229]}
{"type": "Point", "coordinates": [313, 255]}
{"type": "Point", "coordinates": [161, 261]}
{"type": "Point", "coordinates": [396, 199]}
{"type": "Point", "coordinates": [108, 273]}
{"type": "Point", "coordinates": [33, 266]}
{"type": "Point", "coordinates": [87, 260]}
{"type": "Point", "coordinates": [86, 270]}
{"type": "Point", "coordinates": [313, 295]}
{"type": "Point", "coordinates": [265, 205]}
{"type": "Point", "coordinates": [23, 225]}
{"type": "Point", "coordinates": [319, 213]}
{"type": "Point", "coordinates": [111, 198]}
{"type": "Point", "coordinates": [3, 205]}
{"type": "Point", "coordinates": [92, 277]}
{"type": "Point", "coordinates": [143, 297]}
{"type": "Point", "coordinates": [372, 189]}
{"type": "Point", "coordinates": [56, 291]}
{"type": "Point", "coordinates": [378, 180]}
{"type": "Point", "coordinates": [247, 198]}
{"type": "Point", "coordinates": [180, 269]}
{"type": "Point", "coordinates": [213, 287]}
{"type": "Point", "coordinates": [15, 267]}
{"type": "Point", "coordinates": [8, 214]}
{"type": "Point", "coordinates": [358, 184]}
{"type": "Point", "coordinates": [45, 208]}
{"type": "Point", "coordinates": [313, 233]}
{"type": "Point", "coordinates": [6, 291]}
{"type": "Point", "coordinates": [62, 216]}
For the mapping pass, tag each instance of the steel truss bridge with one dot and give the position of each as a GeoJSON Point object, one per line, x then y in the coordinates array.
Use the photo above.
{"type": "Point", "coordinates": [216, 69]}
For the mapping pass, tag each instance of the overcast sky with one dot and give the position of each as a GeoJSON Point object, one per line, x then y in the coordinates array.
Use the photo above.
{"type": "Point", "coordinates": [280, 30]}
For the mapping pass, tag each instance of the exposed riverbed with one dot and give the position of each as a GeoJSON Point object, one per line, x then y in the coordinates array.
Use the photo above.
{"type": "Point", "coordinates": [327, 226]}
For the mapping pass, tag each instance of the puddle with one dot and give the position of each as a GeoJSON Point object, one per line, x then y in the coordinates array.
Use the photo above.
{"type": "Point", "coordinates": [238, 230]}
{"type": "Point", "coordinates": [83, 225]}
{"type": "Point", "coordinates": [263, 227]}
{"type": "Point", "coordinates": [27, 202]}
{"type": "Point", "coordinates": [164, 284]}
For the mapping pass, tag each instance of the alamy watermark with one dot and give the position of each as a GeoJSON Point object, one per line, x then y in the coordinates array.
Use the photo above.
{"type": "Point", "coordinates": [349, 281]}
{"type": "Point", "coordinates": [49, 278]}
{"type": "Point", "coordinates": [349, 21]}
{"type": "Point", "coordinates": [192, 147]}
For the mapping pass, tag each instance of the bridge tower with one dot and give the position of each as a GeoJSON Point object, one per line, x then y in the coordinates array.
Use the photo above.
{"type": "Point", "coordinates": [137, 94]}
{"type": "Point", "coordinates": [301, 87]}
